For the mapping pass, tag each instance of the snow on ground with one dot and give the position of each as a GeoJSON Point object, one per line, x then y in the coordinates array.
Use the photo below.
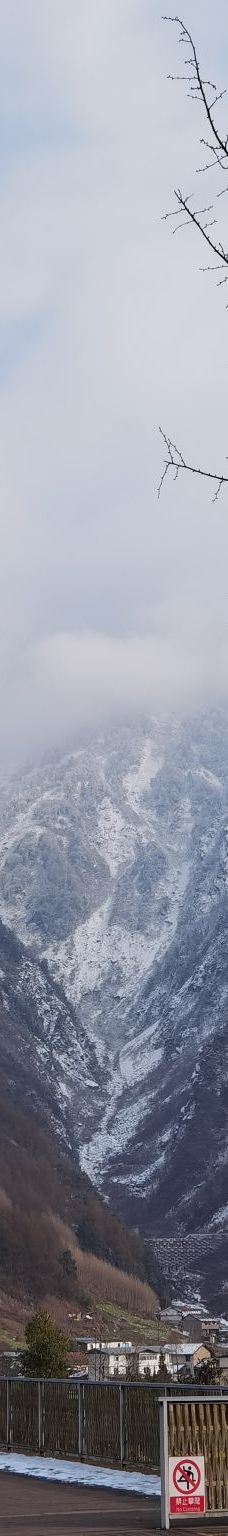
{"type": "Point", "coordinates": [77, 1472]}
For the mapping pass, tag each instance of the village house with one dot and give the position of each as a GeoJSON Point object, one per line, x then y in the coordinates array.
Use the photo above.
{"type": "Point", "coordinates": [221, 1353]}
{"type": "Point", "coordinates": [118, 1360]}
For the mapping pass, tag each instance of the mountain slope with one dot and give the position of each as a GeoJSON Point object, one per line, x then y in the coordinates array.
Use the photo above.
{"type": "Point", "coordinates": [114, 875]}
{"type": "Point", "coordinates": [49, 1211]}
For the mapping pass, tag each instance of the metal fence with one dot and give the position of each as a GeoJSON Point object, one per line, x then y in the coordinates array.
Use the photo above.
{"type": "Point", "coordinates": [118, 1422]}
{"type": "Point", "coordinates": [102, 1421]}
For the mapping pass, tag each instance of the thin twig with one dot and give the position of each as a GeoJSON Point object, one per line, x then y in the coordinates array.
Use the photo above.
{"type": "Point", "coordinates": [176, 462]}
{"type": "Point", "coordinates": [194, 218]}
{"type": "Point", "coordinates": [185, 34]}
{"type": "Point", "coordinates": [217, 150]}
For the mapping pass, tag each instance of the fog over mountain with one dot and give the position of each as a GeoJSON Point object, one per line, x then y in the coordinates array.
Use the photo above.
{"type": "Point", "coordinates": [113, 612]}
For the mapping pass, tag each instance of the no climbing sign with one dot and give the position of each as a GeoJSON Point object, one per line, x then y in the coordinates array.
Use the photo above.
{"type": "Point", "coordinates": [187, 1485]}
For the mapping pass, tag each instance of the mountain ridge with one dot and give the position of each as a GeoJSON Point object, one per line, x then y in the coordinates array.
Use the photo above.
{"type": "Point", "coordinates": [114, 875]}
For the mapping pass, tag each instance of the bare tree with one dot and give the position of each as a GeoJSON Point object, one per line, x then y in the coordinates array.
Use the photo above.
{"type": "Point", "coordinates": [204, 219]}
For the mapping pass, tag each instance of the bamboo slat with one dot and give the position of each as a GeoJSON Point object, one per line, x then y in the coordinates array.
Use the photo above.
{"type": "Point", "coordinates": [201, 1428]}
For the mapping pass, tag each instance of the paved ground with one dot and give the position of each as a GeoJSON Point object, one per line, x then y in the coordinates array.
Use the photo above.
{"type": "Point", "coordinates": [30, 1506]}
{"type": "Point", "coordinates": [40, 1508]}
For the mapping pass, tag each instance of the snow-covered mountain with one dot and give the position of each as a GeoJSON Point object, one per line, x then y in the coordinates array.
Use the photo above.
{"type": "Point", "coordinates": [114, 877]}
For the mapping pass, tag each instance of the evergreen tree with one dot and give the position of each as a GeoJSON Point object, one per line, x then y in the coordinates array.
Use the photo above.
{"type": "Point", "coordinates": [207, 1371]}
{"type": "Point", "coordinates": [163, 1374]}
{"type": "Point", "coordinates": [132, 1370]}
{"type": "Point", "coordinates": [46, 1348]}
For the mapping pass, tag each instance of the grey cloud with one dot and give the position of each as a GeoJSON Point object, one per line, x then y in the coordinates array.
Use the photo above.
{"type": "Point", "coordinates": [107, 598]}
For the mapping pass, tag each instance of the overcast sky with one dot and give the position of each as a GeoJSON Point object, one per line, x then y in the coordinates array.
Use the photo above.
{"type": "Point", "coordinates": [109, 599]}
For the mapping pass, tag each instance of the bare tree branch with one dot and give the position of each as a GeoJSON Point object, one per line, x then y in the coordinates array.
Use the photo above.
{"type": "Point", "coordinates": [176, 463]}
{"type": "Point", "coordinates": [195, 218]}
{"type": "Point", "coordinates": [205, 92]}
{"type": "Point", "coordinates": [199, 89]}
{"type": "Point", "coordinates": [200, 84]}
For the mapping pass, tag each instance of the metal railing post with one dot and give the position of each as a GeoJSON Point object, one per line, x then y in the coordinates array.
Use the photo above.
{"type": "Point", "coordinates": [80, 1419]}
{"type": "Point", "coordinates": [84, 1446]}
{"type": "Point", "coordinates": [42, 1398]}
{"type": "Point", "coordinates": [121, 1413]}
{"type": "Point", "coordinates": [39, 1417]}
{"type": "Point", "coordinates": [164, 1463]}
{"type": "Point", "coordinates": [8, 1415]}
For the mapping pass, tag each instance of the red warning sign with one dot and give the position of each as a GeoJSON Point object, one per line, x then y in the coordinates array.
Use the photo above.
{"type": "Point", "coordinates": [187, 1485]}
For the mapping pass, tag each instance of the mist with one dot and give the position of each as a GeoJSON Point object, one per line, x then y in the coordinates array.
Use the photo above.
{"type": "Point", "coordinates": [111, 602]}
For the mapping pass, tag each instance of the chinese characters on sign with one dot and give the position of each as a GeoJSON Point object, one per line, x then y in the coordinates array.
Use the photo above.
{"type": "Point", "coordinates": [187, 1485]}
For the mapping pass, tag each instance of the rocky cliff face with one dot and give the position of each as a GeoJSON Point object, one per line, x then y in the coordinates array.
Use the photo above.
{"type": "Point", "coordinates": [114, 877]}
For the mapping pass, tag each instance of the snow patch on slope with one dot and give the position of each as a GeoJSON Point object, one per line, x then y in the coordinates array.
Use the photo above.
{"type": "Point", "coordinates": [117, 1129]}
{"type": "Point", "coordinates": [139, 779]}
{"type": "Point", "coordinates": [116, 838]}
{"type": "Point", "coordinates": [209, 778]}
{"type": "Point", "coordinates": [140, 1056]}
{"type": "Point", "coordinates": [96, 947]}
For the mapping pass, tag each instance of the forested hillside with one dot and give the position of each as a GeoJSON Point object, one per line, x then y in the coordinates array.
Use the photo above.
{"type": "Point", "coordinates": [50, 1214]}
